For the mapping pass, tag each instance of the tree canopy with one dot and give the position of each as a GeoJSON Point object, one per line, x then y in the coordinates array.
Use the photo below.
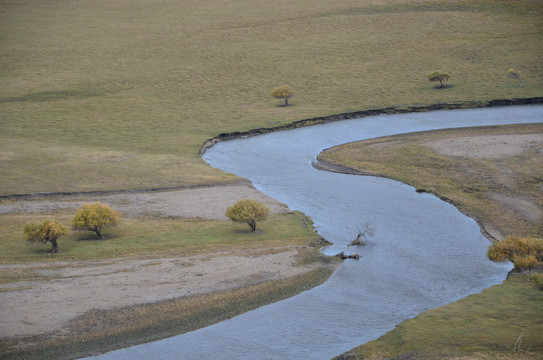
{"type": "Point", "coordinates": [94, 217]}
{"type": "Point", "coordinates": [44, 232]}
{"type": "Point", "coordinates": [439, 75]}
{"type": "Point", "coordinates": [515, 74]}
{"type": "Point", "coordinates": [283, 92]}
{"type": "Point", "coordinates": [249, 211]}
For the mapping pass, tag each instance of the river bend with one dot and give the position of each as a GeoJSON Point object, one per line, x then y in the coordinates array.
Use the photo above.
{"type": "Point", "coordinates": [424, 254]}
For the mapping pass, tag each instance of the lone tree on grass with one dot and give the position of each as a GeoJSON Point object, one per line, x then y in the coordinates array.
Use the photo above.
{"type": "Point", "coordinates": [94, 216]}
{"type": "Point", "coordinates": [283, 92]}
{"type": "Point", "coordinates": [515, 74]}
{"type": "Point", "coordinates": [439, 75]}
{"type": "Point", "coordinates": [44, 232]}
{"type": "Point", "coordinates": [248, 211]}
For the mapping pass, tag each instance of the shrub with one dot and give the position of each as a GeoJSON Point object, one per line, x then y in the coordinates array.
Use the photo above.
{"type": "Point", "coordinates": [524, 262]}
{"type": "Point", "coordinates": [537, 280]}
{"type": "Point", "coordinates": [513, 246]}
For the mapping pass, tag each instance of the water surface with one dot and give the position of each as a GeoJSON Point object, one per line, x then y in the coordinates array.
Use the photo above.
{"type": "Point", "coordinates": [424, 254]}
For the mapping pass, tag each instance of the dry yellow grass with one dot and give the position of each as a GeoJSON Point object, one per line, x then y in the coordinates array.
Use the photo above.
{"type": "Point", "coordinates": [121, 94]}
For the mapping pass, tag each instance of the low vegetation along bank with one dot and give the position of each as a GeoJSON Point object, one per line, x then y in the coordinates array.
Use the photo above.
{"type": "Point", "coordinates": [492, 174]}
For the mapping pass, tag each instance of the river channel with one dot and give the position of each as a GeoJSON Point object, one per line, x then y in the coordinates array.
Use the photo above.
{"type": "Point", "coordinates": [424, 253]}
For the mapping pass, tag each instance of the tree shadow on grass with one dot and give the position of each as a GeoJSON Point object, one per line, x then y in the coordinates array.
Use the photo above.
{"type": "Point", "coordinates": [447, 86]}
{"type": "Point", "coordinates": [52, 96]}
{"type": "Point", "coordinates": [91, 236]}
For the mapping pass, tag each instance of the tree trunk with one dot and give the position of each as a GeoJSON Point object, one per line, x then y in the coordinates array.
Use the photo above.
{"type": "Point", "coordinates": [97, 230]}
{"type": "Point", "coordinates": [252, 224]}
{"type": "Point", "coordinates": [441, 82]}
{"type": "Point", "coordinates": [55, 246]}
{"type": "Point", "coordinates": [286, 101]}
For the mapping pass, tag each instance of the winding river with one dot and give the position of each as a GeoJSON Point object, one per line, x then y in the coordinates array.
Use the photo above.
{"type": "Point", "coordinates": [424, 254]}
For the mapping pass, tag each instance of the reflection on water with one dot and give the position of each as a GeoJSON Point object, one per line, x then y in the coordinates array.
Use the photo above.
{"type": "Point", "coordinates": [424, 253]}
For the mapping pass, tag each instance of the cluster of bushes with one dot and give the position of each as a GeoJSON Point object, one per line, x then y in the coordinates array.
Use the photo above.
{"type": "Point", "coordinates": [523, 252]}
{"type": "Point", "coordinates": [91, 217]}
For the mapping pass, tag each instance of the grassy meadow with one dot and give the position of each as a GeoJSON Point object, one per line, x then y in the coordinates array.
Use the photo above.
{"type": "Point", "coordinates": [120, 94]}
{"type": "Point", "coordinates": [117, 94]}
{"type": "Point", "coordinates": [152, 237]}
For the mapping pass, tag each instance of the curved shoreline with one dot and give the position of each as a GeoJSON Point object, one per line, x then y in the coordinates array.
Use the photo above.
{"type": "Point", "coordinates": [326, 166]}
{"type": "Point", "coordinates": [365, 113]}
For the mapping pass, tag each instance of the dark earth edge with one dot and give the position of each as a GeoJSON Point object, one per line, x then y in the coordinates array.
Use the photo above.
{"type": "Point", "coordinates": [294, 125]}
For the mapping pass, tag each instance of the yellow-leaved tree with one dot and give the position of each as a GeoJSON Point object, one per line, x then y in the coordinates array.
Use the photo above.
{"type": "Point", "coordinates": [515, 74]}
{"type": "Point", "coordinates": [283, 92]}
{"type": "Point", "coordinates": [439, 75]}
{"type": "Point", "coordinates": [248, 211]}
{"type": "Point", "coordinates": [94, 216]}
{"type": "Point", "coordinates": [44, 232]}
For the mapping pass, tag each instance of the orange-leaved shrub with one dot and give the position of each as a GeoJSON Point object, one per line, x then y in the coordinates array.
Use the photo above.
{"type": "Point", "coordinates": [513, 246]}
{"type": "Point", "coordinates": [524, 262]}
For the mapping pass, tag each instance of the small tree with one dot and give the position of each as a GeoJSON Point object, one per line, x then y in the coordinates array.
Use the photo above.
{"type": "Point", "coordinates": [524, 262]}
{"type": "Point", "coordinates": [283, 92]}
{"type": "Point", "coordinates": [94, 217]}
{"type": "Point", "coordinates": [44, 232]}
{"type": "Point", "coordinates": [515, 74]}
{"type": "Point", "coordinates": [439, 75]}
{"type": "Point", "coordinates": [248, 211]}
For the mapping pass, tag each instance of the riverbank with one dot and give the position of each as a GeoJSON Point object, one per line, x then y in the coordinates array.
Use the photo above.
{"type": "Point", "coordinates": [492, 174]}
{"type": "Point", "coordinates": [370, 112]}
{"type": "Point", "coordinates": [193, 268]}
{"type": "Point", "coordinates": [91, 308]}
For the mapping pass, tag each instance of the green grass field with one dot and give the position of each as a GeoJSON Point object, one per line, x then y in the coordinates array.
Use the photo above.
{"type": "Point", "coordinates": [116, 94]}
{"type": "Point", "coordinates": [152, 237]}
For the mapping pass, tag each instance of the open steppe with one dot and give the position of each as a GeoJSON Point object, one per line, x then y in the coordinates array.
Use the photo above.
{"type": "Point", "coordinates": [111, 96]}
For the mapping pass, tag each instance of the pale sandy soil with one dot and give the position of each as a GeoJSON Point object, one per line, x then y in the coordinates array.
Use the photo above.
{"type": "Point", "coordinates": [487, 146]}
{"type": "Point", "coordinates": [205, 202]}
{"type": "Point", "coordinates": [496, 147]}
{"type": "Point", "coordinates": [73, 288]}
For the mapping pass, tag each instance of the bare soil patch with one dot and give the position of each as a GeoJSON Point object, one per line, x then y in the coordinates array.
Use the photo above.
{"type": "Point", "coordinates": [487, 146]}
{"type": "Point", "coordinates": [69, 290]}
{"type": "Point", "coordinates": [206, 202]}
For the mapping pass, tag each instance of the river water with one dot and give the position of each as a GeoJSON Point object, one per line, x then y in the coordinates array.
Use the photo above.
{"type": "Point", "coordinates": [424, 253]}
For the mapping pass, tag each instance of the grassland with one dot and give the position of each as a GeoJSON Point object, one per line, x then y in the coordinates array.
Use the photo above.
{"type": "Point", "coordinates": [152, 237]}
{"type": "Point", "coordinates": [118, 94]}
{"type": "Point", "coordinates": [121, 94]}
{"type": "Point", "coordinates": [505, 321]}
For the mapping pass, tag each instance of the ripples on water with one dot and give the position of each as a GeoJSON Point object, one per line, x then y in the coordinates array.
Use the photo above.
{"type": "Point", "coordinates": [424, 253]}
